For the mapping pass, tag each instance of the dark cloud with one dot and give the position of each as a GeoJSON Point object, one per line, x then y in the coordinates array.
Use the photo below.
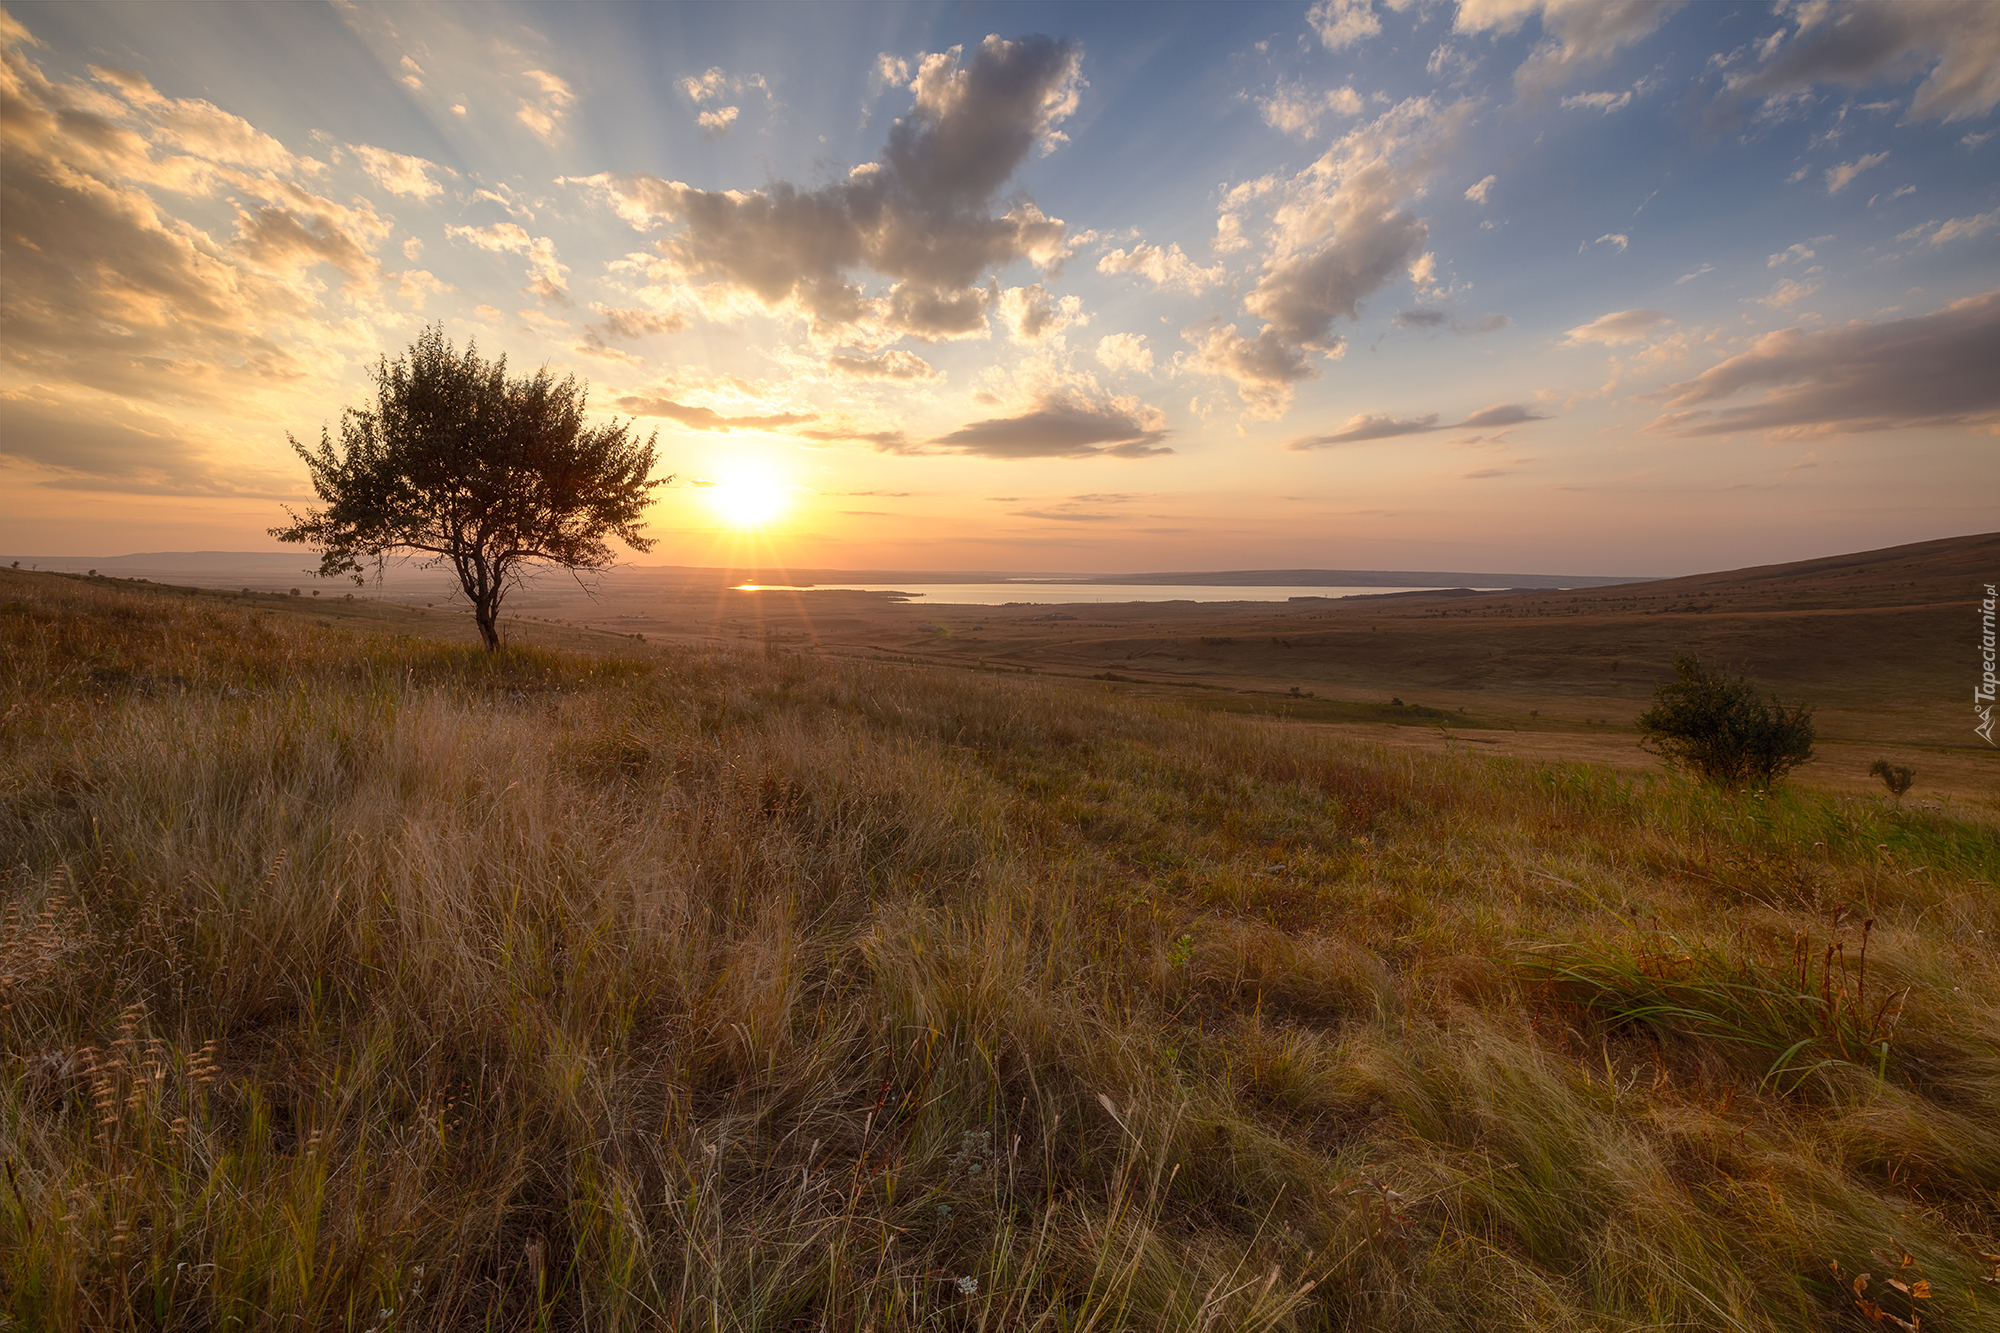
{"type": "Point", "coordinates": [1340, 230]}
{"type": "Point", "coordinates": [888, 366]}
{"type": "Point", "coordinates": [1927, 371]}
{"type": "Point", "coordinates": [1420, 319]}
{"type": "Point", "coordinates": [1956, 41]}
{"type": "Point", "coordinates": [632, 325]}
{"type": "Point", "coordinates": [883, 441]}
{"type": "Point", "coordinates": [707, 418]}
{"type": "Point", "coordinates": [1501, 414]}
{"type": "Point", "coordinates": [1368, 426]}
{"type": "Point", "coordinates": [121, 449]}
{"type": "Point", "coordinates": [1375, 426]}
{"type": "Point", "coordinates": [925, 217]}
{"type": "Point", "coordinates": [1064, 426]}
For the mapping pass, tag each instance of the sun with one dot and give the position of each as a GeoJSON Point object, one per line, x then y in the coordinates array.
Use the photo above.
{"type": "Point", "coordinates": [748, 496]}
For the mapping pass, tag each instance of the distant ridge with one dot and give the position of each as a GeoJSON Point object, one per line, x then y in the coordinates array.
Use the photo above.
{"type": "Point", "coordinates": [1363, 578]}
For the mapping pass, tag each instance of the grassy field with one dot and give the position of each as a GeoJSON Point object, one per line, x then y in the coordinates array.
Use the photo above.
{"type": "Point", "coordinates": [351, 978]}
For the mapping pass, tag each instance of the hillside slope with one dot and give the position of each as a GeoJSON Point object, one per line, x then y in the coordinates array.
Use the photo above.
{"type": "Point", "coordinates": [350, 972]}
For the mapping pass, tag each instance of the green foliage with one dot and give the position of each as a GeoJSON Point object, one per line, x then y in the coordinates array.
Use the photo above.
{"type": "Point", "coordinates": [494, 476]}
{"type": "Point", "coordinates": [1718, 727]}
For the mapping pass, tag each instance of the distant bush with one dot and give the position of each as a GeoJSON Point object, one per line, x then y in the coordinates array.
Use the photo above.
{"type": "Point", "coordinates": [1718, 727]}
{"type": "Point", "coordinates": [1898, 778]}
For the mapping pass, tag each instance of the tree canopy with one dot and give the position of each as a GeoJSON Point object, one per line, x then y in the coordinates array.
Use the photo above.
{"type": "Point", "coordinates": [491, 475]}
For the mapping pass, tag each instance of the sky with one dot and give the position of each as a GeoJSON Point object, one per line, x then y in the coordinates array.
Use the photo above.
{"type": "Point", "coordinates": [1585, 286]}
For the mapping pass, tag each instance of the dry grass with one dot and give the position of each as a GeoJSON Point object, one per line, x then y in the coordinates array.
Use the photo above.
{"type": "Point", "coordinates": [372, 983]}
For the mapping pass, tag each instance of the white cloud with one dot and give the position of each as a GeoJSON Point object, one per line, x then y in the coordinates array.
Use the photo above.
{"type": "Point", "coordinates": [1295, 110]}
{"type": "Point", "coordinates": [1787, 292]}
{"type": "Point", "coordinates": [511, 238]}
{"type": "Point", "coordinates": [1577, 35]}
{"type": "Point", "coordinates": [1617, 238]}
{"type": "Point", "coordinates": [1478, 191]}
{"type": "Point", "coordinates": [545, 111]}
{"type": "Point", "coordinates": [1604, 102]}
{"type": "Point", "coordinates": [1167, 268]}
{"type": "Point", "coordinates": [1616, 328]}
{"type": "Point", "coordinates": [1342, 23]}
{"type": "Point", "coordinates": [1031, 315]}
{"type": "Point", "coordinates": [1840, 177]}
{"type": "Point", "coordinates": [1690, 277]}
{"type": "Point", "coordinates": [1125, 351]}
{"type": "Point", "coordinates": [1954, 229]}
{"type": "Point", "coordinates": [718, 121]}
{"type": "Point", "coordinates": [398, 173]}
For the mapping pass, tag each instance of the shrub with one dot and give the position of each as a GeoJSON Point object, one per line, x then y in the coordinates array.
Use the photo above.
{"type": "Point", "coordinates": [1898, 778]}
{"type": "Point", "coordinates": [1719, 728]}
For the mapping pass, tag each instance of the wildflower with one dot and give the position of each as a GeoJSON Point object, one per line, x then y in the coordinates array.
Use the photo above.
{"type": "Point", "coordinates": [968, 1286]}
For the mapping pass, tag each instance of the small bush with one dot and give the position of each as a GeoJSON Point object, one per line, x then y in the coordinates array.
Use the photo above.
{"type": "Point", "coordinates": [1718, 727]}
{"type": "Point", "coordinates": [1896, 777]}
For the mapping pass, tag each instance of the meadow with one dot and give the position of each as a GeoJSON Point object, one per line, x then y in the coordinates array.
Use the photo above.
{"type": "Point", "coordinates": [359, 979]}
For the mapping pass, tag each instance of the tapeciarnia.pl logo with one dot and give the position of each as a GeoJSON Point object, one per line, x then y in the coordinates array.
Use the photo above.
{"type": "Point", "coordinates": [1982, 693]}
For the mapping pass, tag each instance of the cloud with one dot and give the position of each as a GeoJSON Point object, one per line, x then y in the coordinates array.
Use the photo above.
{"type": "Point", "coordinates": [1577, 35]}
{"type": "Point", "coordinates": [1690, 277]}
{"type": "Point", "coordinates": [902, 366]}
{"type": "Point", "coordinates": [1478, 191]}
{"type": "Point", "coordinates": [1617, 238]}
{"type": "Point", "coordinates": [546, 272]}
{"type": "Point", "coordinates": [1065, 425]}
{"type": "Point", "coordinates": [1293, 109]}
{"type": "Point", "coordinates": [1787, 292]}
{"type": "Point", "coordinates": [1368, 426]}
{"type": "Point", "coordinates": [398, 173]}
{"type": "Point", "coordinates": [105, 289]}
{"type": "Point", "coordinates": [625, 326]}
{"type": "Point", "coordinates": [1338, 231]}
{"type": "Point", "coordinates": [1420, 319]}
{"type": "Point", "coordinates": [1796, 252]}
{"type": "Point", "coordinates": [717, 122]}
{"type": "Point", "coordinates": [1604, 102]}
{"type": "Point", "coordinates": [1062, 515]}
{"type": "Point", "coordinates": [1955, 43]}
{"type": "Point", "coordinates": [122, 448]}
{"type": "Point", "coordinates": [923, 217]}
{"type": "Point", "coordinates": [1840, 177]}
{"type": "Point", "coordinates": [1953, 229]}
{"type": "Point", "coordinates": [1374, 426]}
{"type": "Point", "coordinates": [707, 418]}
{"type": "Point", "coordinates": [1342, 23]}
{"type": "Point", "coordinates": [1502, 414]}
{"type": "Point", "coordinates": [883, 442]}
{"type": "Point", "coordinates": [1928, 371]}
{"type": "Point", "coordinates": [1125, 351]}
{"type": "Point", "coordinates": [1031, 315]}
{"type": "Point", "coordinates": [544, 112]}
{"type": "Point", "coordinates": [1167, 268]}
{"type": "Point", "coordinates": [1620, 326]}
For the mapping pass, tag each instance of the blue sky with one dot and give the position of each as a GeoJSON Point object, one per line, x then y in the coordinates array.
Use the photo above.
{"type": "Point", "coordinates": [1616, 287]}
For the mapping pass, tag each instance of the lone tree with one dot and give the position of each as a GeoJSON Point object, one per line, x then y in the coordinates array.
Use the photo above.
{"type": "Point", "coordinates": [456, 461]}
{"type": "Point", "coordinates": [1718, 727]}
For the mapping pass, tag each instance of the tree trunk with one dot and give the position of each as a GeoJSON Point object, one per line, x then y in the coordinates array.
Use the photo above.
{"type": "Point", "coordinates": [486, 614]}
